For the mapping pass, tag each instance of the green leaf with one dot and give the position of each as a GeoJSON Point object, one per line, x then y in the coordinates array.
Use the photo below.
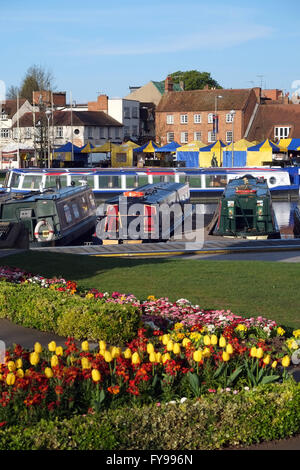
{"type": "Point", "coordinates": [219, 370]}
{"type": "Point", "coordinates": [235, 374]}
{"type": "Point", "coordinates": [270, 378]}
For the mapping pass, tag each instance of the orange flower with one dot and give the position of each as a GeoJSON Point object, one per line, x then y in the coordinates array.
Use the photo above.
{"type": "Point", "coordinates": [114, 389]}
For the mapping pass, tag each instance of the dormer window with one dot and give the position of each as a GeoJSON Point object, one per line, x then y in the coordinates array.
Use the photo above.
{"type": "Point", "coordinates": [3, 116]}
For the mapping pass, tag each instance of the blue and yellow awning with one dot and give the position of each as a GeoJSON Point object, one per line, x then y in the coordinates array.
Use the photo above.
{"type": "Point", "coordinates": [264, 146]}
{"type": "Point", "coordinates": [150, 147]}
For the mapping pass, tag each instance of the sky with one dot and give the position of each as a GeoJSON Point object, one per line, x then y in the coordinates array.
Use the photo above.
{"type": "Point", "coordinates": [94, 47]}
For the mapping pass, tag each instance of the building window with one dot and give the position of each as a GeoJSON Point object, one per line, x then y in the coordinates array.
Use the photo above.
{"type": "Point", "coordinates": [27, 132]}
{"type": "Point", "coordinates": [184, 137]}
{"type": "Point", "coordinates": [198, 136]}
{"type": "Point", "coordinates": [117, 133]}
{"type": "Point", "coordinates": [229, 117]}
{"type": "Point", "coordinates": [135, 131]}
{"type": "Point", "coordinates": [281, 132]}
{"type": "Point", "coordinates": [183, 118]}
{"type": "Point", "coordinates": [170, 119]}
{"type": "Point", "coordinates": [126, 112]}
{"type": "Point", "coordinates": [210, 118]}
{"type": "Point", "coordinates": [90, 132]}
{"type": "Point", "coordinates": [211, 136]}
{"type": "Point", "coordinates": [170, 137]}
{"type": "Point", "coordinates": [102, 133]}
{"type": "Point", "coordinates": [197, 118]}
{"type": "Point", "coordinates": [229, 136]}
{"type": "Point", "coordinates": [59, 132]}
{"type": "Point", "coordinates": [135, 113]}
{"type": "Point", "coordinates": [4, 133]}
{"type": "Point", "coordinates": [126, 131]}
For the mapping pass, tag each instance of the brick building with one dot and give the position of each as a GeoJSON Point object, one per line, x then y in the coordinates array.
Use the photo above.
{"type": "Point", "coordinates": [190, 115]}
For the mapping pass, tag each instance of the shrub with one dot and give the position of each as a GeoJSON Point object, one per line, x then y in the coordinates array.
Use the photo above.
{"type": "Point", "coordinates": [212, 422]}
{"type": "Point", "coordinates": [68, 315]}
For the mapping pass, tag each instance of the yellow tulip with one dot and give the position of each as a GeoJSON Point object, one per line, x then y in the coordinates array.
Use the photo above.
{"type": "Point", "coordinates": [225, 356]}
{"type": "Point", "coordinates": [10, 378]}
{"type": "Point", "coordinates": [34, 358]}
{"type": "Point", "coordinates": [127, 353]}
{"type": "Point", "coordinates": [85, 363]}
{"type": "Point", "coordinates": [115, 352]}
{"type": "Point", "coordinates": [11, 366]}
{"type": "Point", "coordinates": [170, 345]}
{"type": "Point", "coordinates": [96, 376]}
{"type": "Point", "coordinates": [197, 356]}
{"type": "Point", "coordinates": [253, 351]}
{"type": "Point", "coordinates": [102, 344]}
{"type": "Point", "coordinates": [267, 359]}
{"type": "Point", "coordinates": [135, 359]}
{"type": "Point", "coordinates": [152, 357]}
{"type": "Point", "coordinates": [206, 340]}
{"type": "Point", "coordinates": [48, 372]}
{"type": "Point", "coordinates": [54, 361]}
{"type": "Point", "coordinates": [229, 348]}
{"type": "Point", "coordinates": [259, 353]}
{"type": "Point", "coordinates": [214, 340]}
{"type": "Point", "coordinates": [222, 342]}
{"type": "Point", "coordinates": [59, 351]}
{"type": "Point", "coordinates": [158, 357]}
{"type": "Point", "coordinates": [165, 339]}
{"type": "Point", "coordinates": [20, 373]}
{"type": "Point", "coordinates": [166, 357]}
{"type": "Point", "coordinates": [176, 348]}
{"type": "Point", "coordinates": [186, 342]}
{"type": "Point", "coordinates": [85, 346]}
{"type": "Point", "coordinates": [274, 364]}
{"type": "Point", "coordinates": [285, 361]}
{"type": "Point", "coordinates": [19, 363]}
{"type": "Point", "coordinates": [38, 348]}
{"type": "Point", "coordinates": [52, 346]}
{"type": "Point", "coordinates": [107, 356]}
{"type": "Point", "coordinates": [150, 348]}
{"type": "Point", "coordinates": [206, 352]}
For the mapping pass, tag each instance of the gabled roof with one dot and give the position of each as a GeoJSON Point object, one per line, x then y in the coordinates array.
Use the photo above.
{"type": "Point", "coordinates": [79, 118]}
{"type": "Point", "coordinates": [275, 115]}
{"type": "Point", "coordinates": [10, 106]}
{"type": "Point", "coordinates": [204, 100]}
{"type": "Point", "coordinates": [161, 86]}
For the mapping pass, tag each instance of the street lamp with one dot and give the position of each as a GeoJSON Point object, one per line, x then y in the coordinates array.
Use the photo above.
{"type": "Point", "coordinates": [48, 115]}
{"type": "Point", "coordinates": [216, 122]}
{"type": "Point", "coordinates": [232, 112]}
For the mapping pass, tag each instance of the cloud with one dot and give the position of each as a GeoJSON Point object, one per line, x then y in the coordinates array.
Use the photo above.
{"type": "Point", "coordinates": [163, 44]}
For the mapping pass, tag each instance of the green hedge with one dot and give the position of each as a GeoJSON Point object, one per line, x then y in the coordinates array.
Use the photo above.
{"type": "Point", "coordinates": [68, 315]}
{"type": "Point", "coordinates": [213, 422]}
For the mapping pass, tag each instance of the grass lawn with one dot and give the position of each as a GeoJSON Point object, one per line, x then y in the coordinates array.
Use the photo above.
{"type": "Point", "coordinates": [248, 288]}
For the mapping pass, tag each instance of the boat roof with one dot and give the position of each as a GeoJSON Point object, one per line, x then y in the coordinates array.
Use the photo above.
{"type": "Point", "coordinates": [256, 184]}
{"type": "Point", "coordinates": [152, 193]}
{"type": "Point", "coordinates": [47, 194]}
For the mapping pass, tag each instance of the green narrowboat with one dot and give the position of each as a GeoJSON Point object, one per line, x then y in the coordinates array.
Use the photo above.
{"type": "Point", "coordinates": [245, 210]}
{"type": "Point", "coordinates": [54, 216]}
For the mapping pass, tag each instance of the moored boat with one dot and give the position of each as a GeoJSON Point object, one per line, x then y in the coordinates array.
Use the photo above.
{"type": "Point", "coordinates": [245, 210]}
{"type": "Point", "coordinates": [54, 216]}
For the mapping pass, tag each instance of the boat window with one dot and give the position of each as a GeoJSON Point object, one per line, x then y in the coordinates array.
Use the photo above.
{"type": "Point", "coordinates": [195, 181]}
{"type": "Point", "coordinates": [32, 181]}
{"type": "Point", "coordinates": [109, 182]}
{"type": "Point", "coordinates": [80, 179]}
{"type": "Point", "coordinates": [68, 214]}
{"type": "Point", "coordinates": [135, 181]}
{"type": "Point", "coordinates": [92, 201]}
{"type": "Point", "coordinates": [75, 210]}
{"type": "Point", "coordinates": [215, 181]}
{"type": "Point", "coordinates": [84, 204]}
{"type": "Point", "coordinates": [50, 181]}
{"type": "Point", "coordinates": [15, 180]}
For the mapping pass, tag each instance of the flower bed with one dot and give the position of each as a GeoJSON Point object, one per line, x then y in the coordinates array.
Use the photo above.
{"type": "Point", "coordinates": [181, 353]}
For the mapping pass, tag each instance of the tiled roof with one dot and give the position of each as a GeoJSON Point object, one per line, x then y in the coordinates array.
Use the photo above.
{"type": "Point", "coordinates": [270, 115]}
{"type": "Point", "coordinates": [79, 118]}
{"type": "Point", "coordinates": [10, 106]}
{"type": "Point", "coordinates": [203, 100]}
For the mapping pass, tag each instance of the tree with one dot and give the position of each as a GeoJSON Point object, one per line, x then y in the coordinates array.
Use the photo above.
{"type": "Point", "coordinates": [194, 80]}
{"type": "Point", "coordinates": [36, 79]}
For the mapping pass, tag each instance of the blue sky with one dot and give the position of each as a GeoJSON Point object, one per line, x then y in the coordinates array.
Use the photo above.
{"type": "Point", "coordinates": [92, 46]}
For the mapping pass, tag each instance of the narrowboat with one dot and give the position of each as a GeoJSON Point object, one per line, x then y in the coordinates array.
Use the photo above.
{"type": "Point", "coordinates": [54, 216]}
{"type": "Point", "coordinates": [245, 210]}
{"type": "Point", "coordinates": [205, 183]}
{"type": "Point", "coordinates": [152, 212]}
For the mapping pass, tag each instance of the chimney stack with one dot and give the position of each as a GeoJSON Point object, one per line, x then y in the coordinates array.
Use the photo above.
{"type": "Point", "coordinates": [168, 84]}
